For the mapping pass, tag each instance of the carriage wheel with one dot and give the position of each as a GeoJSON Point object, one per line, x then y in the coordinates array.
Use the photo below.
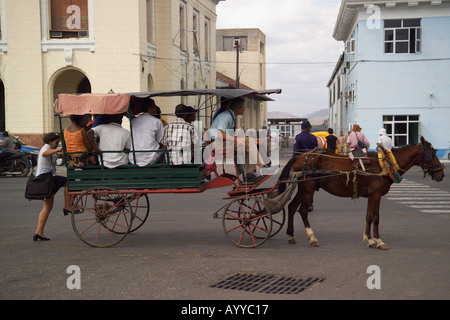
{"type": "Point", "coordinates": [102, 217]}
{"type": "Point", "coordinates": [141, 209]}
{"type": "Point", "coordinates": [278, 221]}
{"type": "Point", "coordinates": [246, 222]}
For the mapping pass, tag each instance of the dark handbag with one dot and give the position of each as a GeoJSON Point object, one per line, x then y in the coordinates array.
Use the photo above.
{"type": "Point", "coordinates": [361, 144]}
{"type": "Point", "coordinates": [40, 187]}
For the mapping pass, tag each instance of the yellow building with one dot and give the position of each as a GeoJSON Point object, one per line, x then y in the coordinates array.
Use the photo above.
{"type": "Point", "coordinates": [49, 47]}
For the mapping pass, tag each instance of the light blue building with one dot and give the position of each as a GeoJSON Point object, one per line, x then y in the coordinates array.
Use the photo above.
{"type": "Point", "coordinates": [395, 71]}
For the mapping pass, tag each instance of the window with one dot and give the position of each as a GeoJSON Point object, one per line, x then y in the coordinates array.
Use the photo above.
{"type": "Point", "coordinates": [182, 26]}
{"type": "Point", "coordinates": [402, 36]}
{"type": "Point", "coordinates": [339, 92]}
{"type": "Point", "coordinates": [1, 20]}
{"type": "Point", "coordinates": [333, 93]}
{"type": "Point", "coordinates": [69, 19]}
{"type": "Point", "coordinates": [3, 36]}
{"type": "Point", "coordinates": [150, 21]}
{"type": "Point", "coordinates": [207, 38]}
{"type": "Point", "coordinates": [402, 129]}
{"type": "Point", "coordinates": [350, 44]}
{"type": "Point", "coordinates": [183, 98]}
{"type": "Point", "coordinates": [195, 33]}
{"type": "Point", "coordinates": [350, 96]}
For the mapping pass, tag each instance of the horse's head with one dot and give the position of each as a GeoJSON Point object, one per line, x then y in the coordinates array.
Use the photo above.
{"type": "Point", "coordinates": [429, 162]}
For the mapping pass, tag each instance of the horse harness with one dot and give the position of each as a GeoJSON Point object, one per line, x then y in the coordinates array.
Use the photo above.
{"type": "Point", "coordinates": [424, 158]}
{"type": "Point", "coordinates": [313, 170]}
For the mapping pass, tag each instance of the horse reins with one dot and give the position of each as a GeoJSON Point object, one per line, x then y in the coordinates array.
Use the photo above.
{"type": "Point", "coordinates": [424, 158]}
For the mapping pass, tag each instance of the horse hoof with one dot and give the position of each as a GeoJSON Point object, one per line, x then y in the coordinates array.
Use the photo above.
{"type": "Point", "coordinates": [314, 243]}
{"type": "Point", "coordinates": [382, 246]}
{"type": "Point", "coordinates": [291, 240]}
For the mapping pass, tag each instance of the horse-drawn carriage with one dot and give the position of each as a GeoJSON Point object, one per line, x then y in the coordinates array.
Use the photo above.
{"type": "Point", "coordinates": [110, 203]}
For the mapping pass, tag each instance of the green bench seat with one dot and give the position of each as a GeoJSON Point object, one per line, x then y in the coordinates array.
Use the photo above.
{"type": "Point", "coordinates": [132, 177]}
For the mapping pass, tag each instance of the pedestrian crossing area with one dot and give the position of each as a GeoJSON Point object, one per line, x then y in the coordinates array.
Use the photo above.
{"type": "Point", "coordinates": [418, 196]}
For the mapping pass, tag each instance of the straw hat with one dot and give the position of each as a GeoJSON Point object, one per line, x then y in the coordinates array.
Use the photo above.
{"type": "Point", "coordinates": [356, 128]}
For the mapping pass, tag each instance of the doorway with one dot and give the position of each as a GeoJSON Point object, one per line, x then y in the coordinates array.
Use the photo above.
{"type": "Point", "coordinates": [69, 81]}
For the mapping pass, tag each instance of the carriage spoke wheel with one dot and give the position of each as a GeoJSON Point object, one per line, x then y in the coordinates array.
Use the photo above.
{"type": "Point", "coordinates": [102, 217]}
{"type": "Point", "coordinates": [246, 222]}
{"type": "Point", "coordinates": [278, 220]}
{"type": "Point", "coordinates": [141, 209]}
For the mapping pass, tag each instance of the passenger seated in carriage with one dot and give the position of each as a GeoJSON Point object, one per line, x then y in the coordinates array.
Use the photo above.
{"type": "Point", "coordinates": [147, 135]}
{"type": "Point", "coordinates": [77, 139]}
{"type": "Point", "coordinates": [180, 137]}
{"type": "Point", "coordinates": [220, 133]}
{"type": "Point", "coordinates": [112, 137]}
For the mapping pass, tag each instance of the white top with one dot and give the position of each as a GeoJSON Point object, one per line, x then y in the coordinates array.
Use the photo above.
{"type": "Point", "coordinates": [46, 164]}
{"type": "Point", "coordinates": [147, 134]}
{"type": "Point", "coordinates": [385, 141]}
{"type": "Point", "coordinates": [113, 138]}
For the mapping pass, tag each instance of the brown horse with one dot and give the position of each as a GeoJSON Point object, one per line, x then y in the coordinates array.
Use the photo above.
{"type": "Point", "coordinates": [336, 175]}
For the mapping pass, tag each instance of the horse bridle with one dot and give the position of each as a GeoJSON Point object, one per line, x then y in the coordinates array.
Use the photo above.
{"type": "Point", "coordinates": [424, 158]}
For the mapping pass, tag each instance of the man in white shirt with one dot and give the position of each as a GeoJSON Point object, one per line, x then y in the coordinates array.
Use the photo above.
{"type": "Point", "coordinates": [113, 138]}
{"type": "Point", "coordinates": [384, 140]}
{"type": "Point", "coordinates": [147, 134]}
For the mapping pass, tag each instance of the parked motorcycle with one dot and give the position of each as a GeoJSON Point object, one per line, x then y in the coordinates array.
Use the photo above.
{"type": "Point", "coordinates": [19, 164]}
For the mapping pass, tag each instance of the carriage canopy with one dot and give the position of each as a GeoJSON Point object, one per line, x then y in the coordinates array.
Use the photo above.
{"type": "Point", "coordinates": [117, 103]}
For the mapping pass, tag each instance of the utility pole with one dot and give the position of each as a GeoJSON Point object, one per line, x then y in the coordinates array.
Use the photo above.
{"type": "Point", "coordinates": [237, 45]}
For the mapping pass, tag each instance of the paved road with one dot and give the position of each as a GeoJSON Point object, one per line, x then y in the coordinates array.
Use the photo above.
{"type": "Point", "coordinates": [181, 250]}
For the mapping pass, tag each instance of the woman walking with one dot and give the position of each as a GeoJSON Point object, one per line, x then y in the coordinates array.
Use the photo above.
{"type": "Point", "coordinates": [47, 163]}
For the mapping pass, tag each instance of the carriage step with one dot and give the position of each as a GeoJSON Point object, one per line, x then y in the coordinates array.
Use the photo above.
{"type": "Point", "coordinates": [248, 193]}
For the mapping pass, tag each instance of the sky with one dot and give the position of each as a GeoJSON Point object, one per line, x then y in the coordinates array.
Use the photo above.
{"type": "Point", "coordinates": [301, 52]}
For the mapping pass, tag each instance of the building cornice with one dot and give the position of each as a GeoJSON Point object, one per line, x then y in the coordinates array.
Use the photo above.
{"type": "Point", "coordinates": [348, 12]}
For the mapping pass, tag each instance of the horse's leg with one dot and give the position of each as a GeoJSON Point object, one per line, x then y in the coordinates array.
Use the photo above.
{"type": "Point", "coordinates": [292, 208]}
{"type": "Point", "coordinates": [376, 220]}
{"type": "Point", "coordinates": [307, 200]}
{"type": "Point", "coordinates": [372, 217]}
{"type": "Point", "coordinates": [367, 237]}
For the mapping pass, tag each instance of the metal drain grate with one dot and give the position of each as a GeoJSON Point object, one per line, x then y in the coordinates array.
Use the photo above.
{"type": "Point", "coordinates": [266, 283]}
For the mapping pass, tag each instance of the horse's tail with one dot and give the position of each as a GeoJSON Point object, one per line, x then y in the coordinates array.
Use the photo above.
{"type": "Point", "coordinates": [285, 175]}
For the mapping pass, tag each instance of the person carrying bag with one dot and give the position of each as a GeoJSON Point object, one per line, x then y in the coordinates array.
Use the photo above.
{"type": "Point", "coordinates": [46, 183]}
{"type": "Point", "coordinates": [359, 145]}
{"type": "Point", "coordinates": [40, 187]}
